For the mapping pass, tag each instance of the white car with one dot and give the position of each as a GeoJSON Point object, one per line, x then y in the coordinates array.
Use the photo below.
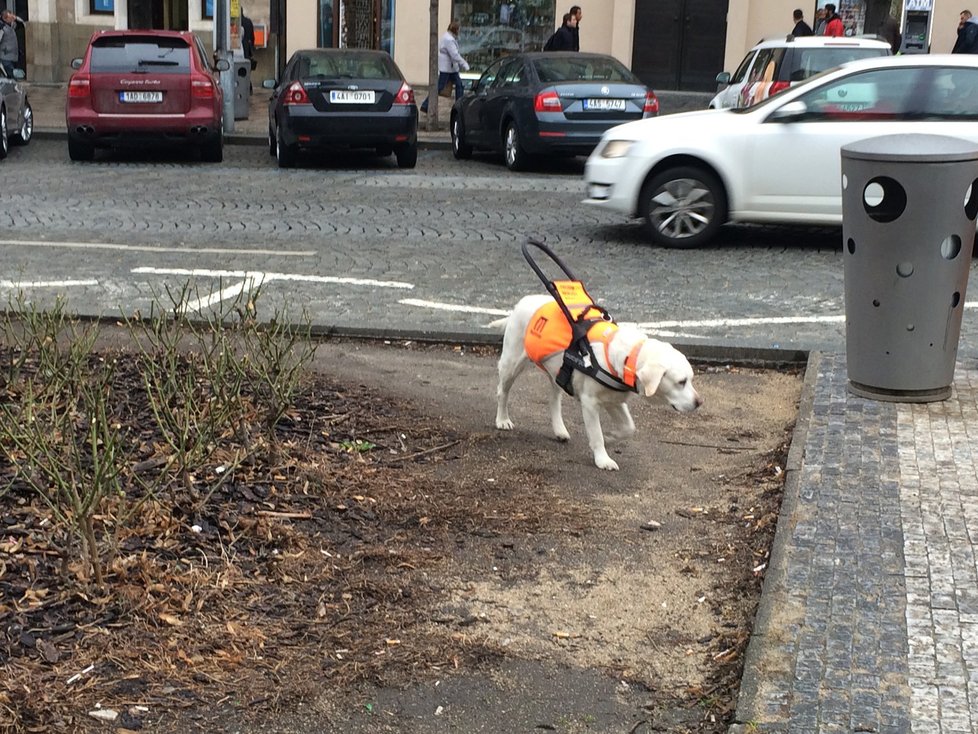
{"type": "Point", "coordinates": [774, 65]}
{"type": "Point", "coordinates": [780, 160]}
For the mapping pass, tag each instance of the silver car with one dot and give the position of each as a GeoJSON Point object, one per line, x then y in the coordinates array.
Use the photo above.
{"type": "Point", "coordinates": [16, 115]}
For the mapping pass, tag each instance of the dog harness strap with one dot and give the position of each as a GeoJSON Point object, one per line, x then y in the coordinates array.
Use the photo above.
{"type": "Point", "coordinates": [629, 376]}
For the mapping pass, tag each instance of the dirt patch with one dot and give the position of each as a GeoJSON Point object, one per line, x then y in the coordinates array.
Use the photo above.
{"type": "Point", "coordinates": [405, 567]}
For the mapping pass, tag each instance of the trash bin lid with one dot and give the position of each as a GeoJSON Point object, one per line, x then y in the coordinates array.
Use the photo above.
{"type": "Point", "coordinates": [915, 147]}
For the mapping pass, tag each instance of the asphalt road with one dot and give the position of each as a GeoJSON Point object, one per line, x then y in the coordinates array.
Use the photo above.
{"type": "Point", "coordinates": [359, 244]}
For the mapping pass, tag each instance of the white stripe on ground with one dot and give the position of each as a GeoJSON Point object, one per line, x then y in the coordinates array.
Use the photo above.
{"type": "Point", "coordinates": [45, 283]}
{"type": "Point", "coordinates": [268, 277]}
{"type": "Point", "coordinates": [218, 296]}
{"type": "Point", "coordinates": [434, 305]}
{"type": "Point", "coordinates": [156, 248]}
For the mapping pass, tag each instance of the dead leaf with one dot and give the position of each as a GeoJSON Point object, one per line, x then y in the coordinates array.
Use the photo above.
{"type": "Point", "coordinates": [171, 620]}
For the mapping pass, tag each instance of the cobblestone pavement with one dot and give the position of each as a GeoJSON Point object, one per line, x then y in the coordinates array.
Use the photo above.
{"type": "Point", "coordinates": [869, 616]}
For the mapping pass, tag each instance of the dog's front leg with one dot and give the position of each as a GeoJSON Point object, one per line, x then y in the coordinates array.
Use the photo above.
{"type": "Point", "coordinates": [590, 407]}
{"type": "Point", "coordinates": [556, 413]}
{"type": "Point", "coordinates": [622, 426]}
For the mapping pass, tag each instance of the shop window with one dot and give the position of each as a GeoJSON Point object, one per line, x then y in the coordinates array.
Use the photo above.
{"type": "Point", "coordinates": [101, 7]}
{"type": "Point", "coordinates": [491, 29]}
{"type": "Point", "coordinates": [208, 9]}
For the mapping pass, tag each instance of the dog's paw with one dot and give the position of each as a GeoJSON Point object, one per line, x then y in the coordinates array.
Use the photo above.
{"type": "Point", "coordinates": [562, 436]}
{"type": "Point", "coordinates": [606, 462]}
{"type": "Point", "coordinates": [504, 425]}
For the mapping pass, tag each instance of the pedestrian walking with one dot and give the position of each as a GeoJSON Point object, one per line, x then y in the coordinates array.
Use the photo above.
{"type": "Point", "coordinates": [576, 28]}
{"type": "Point", "coordinates": [963, 19]}
{"type": "Point", "coordinates": [563, 38]}
{"type": "Point", "coordinates": [833, 23]}
{"type": "Point", "coordinates": [890, 30]}
{"type": "Point", "coordinates": [801, 27]}
{"type": "Point", "coordinates": [9, 47]}
{"type": "Point", "coordinates": [450, 63]}
{"type": "Point", "coordinates": [820, 19]}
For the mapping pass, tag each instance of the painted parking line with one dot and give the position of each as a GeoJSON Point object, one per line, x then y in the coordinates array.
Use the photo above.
{"type": "Point", "coordinates": [434, 305]}
{"type": "Point", "coordinates": [157, 248]}
{"type": "Point", "coordinates": [45, 283]}
{"type": "Point", "coordinates": [248, 284]}
{"type": "Point", "coordinates": [269, 277]}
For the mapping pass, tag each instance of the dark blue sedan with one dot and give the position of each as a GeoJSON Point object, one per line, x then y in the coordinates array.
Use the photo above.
{"type": "Point", "coordinates": [342, 98]}
{"type": "Point", "coordinates": [532, 104]}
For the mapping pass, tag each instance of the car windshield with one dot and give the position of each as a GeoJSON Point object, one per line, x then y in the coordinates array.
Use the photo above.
{"type": "Point", "coordinates": [582, 69]}
{"type": "Point", "coordinates": [776, 98]}
{"type": "Point", "coordinates": [352, 65]}
{"type": "Point", "coordinates": [129, 54]}
{"type": "Point", "coordinates": [811, 61]}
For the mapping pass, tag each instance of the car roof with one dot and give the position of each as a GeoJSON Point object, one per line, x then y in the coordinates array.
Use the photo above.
{"type": "Point", "coordinates": [883, 62]}
{"type": "Point", "coordinates": [113, 33]}
{"type": "Point", "coordinates": [822, 41]}
{"type": "Point", "coordinates": [341, 51]}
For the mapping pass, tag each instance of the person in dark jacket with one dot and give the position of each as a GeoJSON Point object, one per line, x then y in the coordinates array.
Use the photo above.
{"type": "Point", "coordinates": [576, 28]}
{"type": "Point", "coordinates": [968, 38]}
{"type": "Point", "coordinates": [801, 27]}
{"type": "Point", "coordinates": [563, 37]}
{"type": "Point", "coordinates": [9, 47]}
{"type": "Point", "coordinates": [890, 30]}
{"type": "Point", "coordinates": [963, 19]}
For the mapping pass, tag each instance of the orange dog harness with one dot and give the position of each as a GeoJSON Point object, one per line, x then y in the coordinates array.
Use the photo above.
{"type": "Point", "coordinates": [550, 332]}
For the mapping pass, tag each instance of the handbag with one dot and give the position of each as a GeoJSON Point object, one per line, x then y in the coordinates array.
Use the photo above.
{"type": "Point", "coordinates": [448, 90]}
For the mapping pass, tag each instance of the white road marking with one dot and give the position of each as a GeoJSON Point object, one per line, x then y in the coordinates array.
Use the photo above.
{"type": "Point", "coordinates": [453, 307]}
{"type": "Point", "coordinates": [268, 277]}
{"type": "Point", "coordinates": [45, 283]}
{"type": "Point", "coordinates": [229, 292]}
{"type": "Point", "coordinates": [753, 321]}
{"type": "Point", "coordinates": [153, 248]}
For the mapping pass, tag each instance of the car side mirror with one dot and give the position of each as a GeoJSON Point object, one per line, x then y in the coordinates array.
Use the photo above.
{"type": "Point", "coordinates": [222, 65]}
{"type": "Point", "coordinates": [268, 84]}
{"type": "Point", "coordinates": [723, 77]}
{"type": "Point", "coordinates": [19, 74]}
{"type": "Point", "coordinates": [76, 64]}
{"type": "Point", "coordinates": [789, 112]}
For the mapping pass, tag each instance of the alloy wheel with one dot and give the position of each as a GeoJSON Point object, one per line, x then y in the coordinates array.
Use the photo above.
{"type": "Point", "coordinates": [27, 127]}
{"type": "Point", "coordinates": [682, 208]}
{"type": "Point", "coordinates": [4, 140]}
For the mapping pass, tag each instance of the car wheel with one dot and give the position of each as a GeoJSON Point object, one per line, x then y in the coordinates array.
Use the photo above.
{"type": "Point", "coordinates": [683, 207]}
{"type": "Point", "coordinates": [516, 157]}
{"type": "Point", "coordinates": [271, 141]}
{"type": "Point", "coordinates": [213, 150]}
{"type": "Point", "coordinates": [26, 132]}
{"type": "Point", "coordinates": [79, 151]}
{"type": "Point", "coordinates": [284, 153]}
{"type": "Point", "coordinates": [460, 150]}
{"type": "Point", "coordinates": [4, 140]}
{"type": "Point", "coordinates": [407, 155]}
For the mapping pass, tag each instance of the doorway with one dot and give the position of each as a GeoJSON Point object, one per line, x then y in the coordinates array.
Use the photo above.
{"type": "Point", "coordinates": [679, 44]}
{"type": "Point", "coordinates": [167, 15]}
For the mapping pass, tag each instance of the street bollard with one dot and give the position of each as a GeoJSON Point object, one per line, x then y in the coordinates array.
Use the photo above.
{"type": "Point", "coordinates": [909, 204]}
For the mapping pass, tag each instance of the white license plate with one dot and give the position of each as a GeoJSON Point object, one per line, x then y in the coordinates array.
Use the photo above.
{"type": "Point", "coordinates": [141, 96]}
{"type": "Point", "coordinates": [343, 96]}
{"type": "Point", "coordinates": [614, 105]}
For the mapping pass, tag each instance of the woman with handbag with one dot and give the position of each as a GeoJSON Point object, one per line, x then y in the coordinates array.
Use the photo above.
{"type": "Point", "coordinates": [450, 63]}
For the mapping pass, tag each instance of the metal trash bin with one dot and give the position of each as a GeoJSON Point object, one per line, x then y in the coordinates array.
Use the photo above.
{"type": "Point", "coordinates": [242, 89]}
{"type": "Point", "coordinates": [909, 204]}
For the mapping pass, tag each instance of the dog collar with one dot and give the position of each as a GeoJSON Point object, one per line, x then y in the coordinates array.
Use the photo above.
{"type": "Point", "coordinates": [628, 371]}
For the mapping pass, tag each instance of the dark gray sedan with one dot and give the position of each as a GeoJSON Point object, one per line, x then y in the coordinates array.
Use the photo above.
{"type": "Point", "coordinates": [16, 115]}
{"type": "Point", "coordinates": [547, 104]}
{"type": "Point", "coordinates": [342, 98]}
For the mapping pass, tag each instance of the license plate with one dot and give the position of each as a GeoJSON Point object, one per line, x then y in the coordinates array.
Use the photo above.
{"type": "Point", "coordinates": [343, 96]}
{"type": "Point", "coordinates": [613, 105]}
{"type": "Point", "coordinates": [141, 97]}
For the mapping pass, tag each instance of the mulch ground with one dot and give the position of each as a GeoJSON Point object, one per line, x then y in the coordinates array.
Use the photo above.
{"type": "Point", "coordinates": [298, 573]}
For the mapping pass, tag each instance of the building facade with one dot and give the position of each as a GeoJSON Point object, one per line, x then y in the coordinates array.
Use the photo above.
{"type": "Point", "coordinates": [670, 44]}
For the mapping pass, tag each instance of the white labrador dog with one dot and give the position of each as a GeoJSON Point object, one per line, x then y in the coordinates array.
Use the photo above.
{"type": "Point", "coordinates": [659, 368]}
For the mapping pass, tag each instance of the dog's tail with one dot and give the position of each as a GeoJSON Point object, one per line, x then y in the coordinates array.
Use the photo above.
{"type": "Point", "coordinates": [498, 324]}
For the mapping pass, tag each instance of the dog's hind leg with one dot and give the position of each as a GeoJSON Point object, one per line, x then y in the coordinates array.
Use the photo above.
{"type": "Point", "coordinates": [591, 408]}
{"type": "Point", "coordinates": [510, 367]}
{"type": "Point", "coordinates": [620, 423]}
{"type": "Point", "coordinates": [556, 414]}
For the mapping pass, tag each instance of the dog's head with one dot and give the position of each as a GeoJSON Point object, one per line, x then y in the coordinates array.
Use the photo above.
{"type": "Point", "coordinates": [662, 370]}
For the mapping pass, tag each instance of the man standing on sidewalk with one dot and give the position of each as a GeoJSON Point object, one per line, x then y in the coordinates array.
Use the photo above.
{"type": "Point", "coordinates": [8, 42]}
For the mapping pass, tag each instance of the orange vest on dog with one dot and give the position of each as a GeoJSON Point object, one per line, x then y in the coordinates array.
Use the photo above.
{"type": "Point", "coordinates": [549, 331]}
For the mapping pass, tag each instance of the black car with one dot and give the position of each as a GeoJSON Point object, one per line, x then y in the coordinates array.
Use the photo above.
{"type": "Point", "coordinates": [342, 98]}
{"type": "Point", "coordinates": [16, 115]}
{"type": "Point", "coordinates": [547, 103]}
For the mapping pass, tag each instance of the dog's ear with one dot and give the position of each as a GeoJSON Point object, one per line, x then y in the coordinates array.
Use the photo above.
{"type": "Point", "coordinates": [649, 376]}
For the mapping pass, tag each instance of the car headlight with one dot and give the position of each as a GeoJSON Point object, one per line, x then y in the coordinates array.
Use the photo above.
{"type": "Point", "coordinates": [616, 148]}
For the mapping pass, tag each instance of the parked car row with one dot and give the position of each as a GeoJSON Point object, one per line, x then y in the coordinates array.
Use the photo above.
{"type": "Point", "coordinates": [16, 115]}
{"type": "Point", "coordinates": [773, 160]}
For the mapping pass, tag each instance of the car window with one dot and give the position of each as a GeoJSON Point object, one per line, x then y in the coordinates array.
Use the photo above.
{"type": "Point", "coordinates": [506, 68]}
{"type": "Point", "coordinates": [349, 65]}
{"type": "Point", "coordinates": [582, 68]}
{"type": "Point", "coordinates": [882, 94]}
{"type": "Point", "coordinates": [512, 75]}
{"type": "Point", "coordinates": [953, 95]}
{"type": "Point", "coordinates": [489, 75]}
{"type": "Point", "coordinates": [741, 73]}
{"type": "Point", "coordinates": [201, 54]}
{"type": "Point", "coordinates": [127, 54]}
{"type": "Point", "coordinates": [806, 62]}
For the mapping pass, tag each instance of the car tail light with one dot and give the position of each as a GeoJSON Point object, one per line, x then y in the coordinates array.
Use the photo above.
{"type": "Point", "coordinates": [202, 88]}
{"type": "Point", "coordinates": [778, 87]}
{"type": "Point", "coordinates": [651, 107]}
{"type": "Point", "coordinates": [80, 86]}
{"type": "Point", "coordinates": [405, 95]}
{"type": "Point", "coordinates": [295, 94]}
{"type": "Point", "coordinates": [547, 102]}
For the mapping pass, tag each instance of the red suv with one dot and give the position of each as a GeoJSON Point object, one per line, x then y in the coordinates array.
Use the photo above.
{"type": "Point", "coordinates": [134, 88]}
